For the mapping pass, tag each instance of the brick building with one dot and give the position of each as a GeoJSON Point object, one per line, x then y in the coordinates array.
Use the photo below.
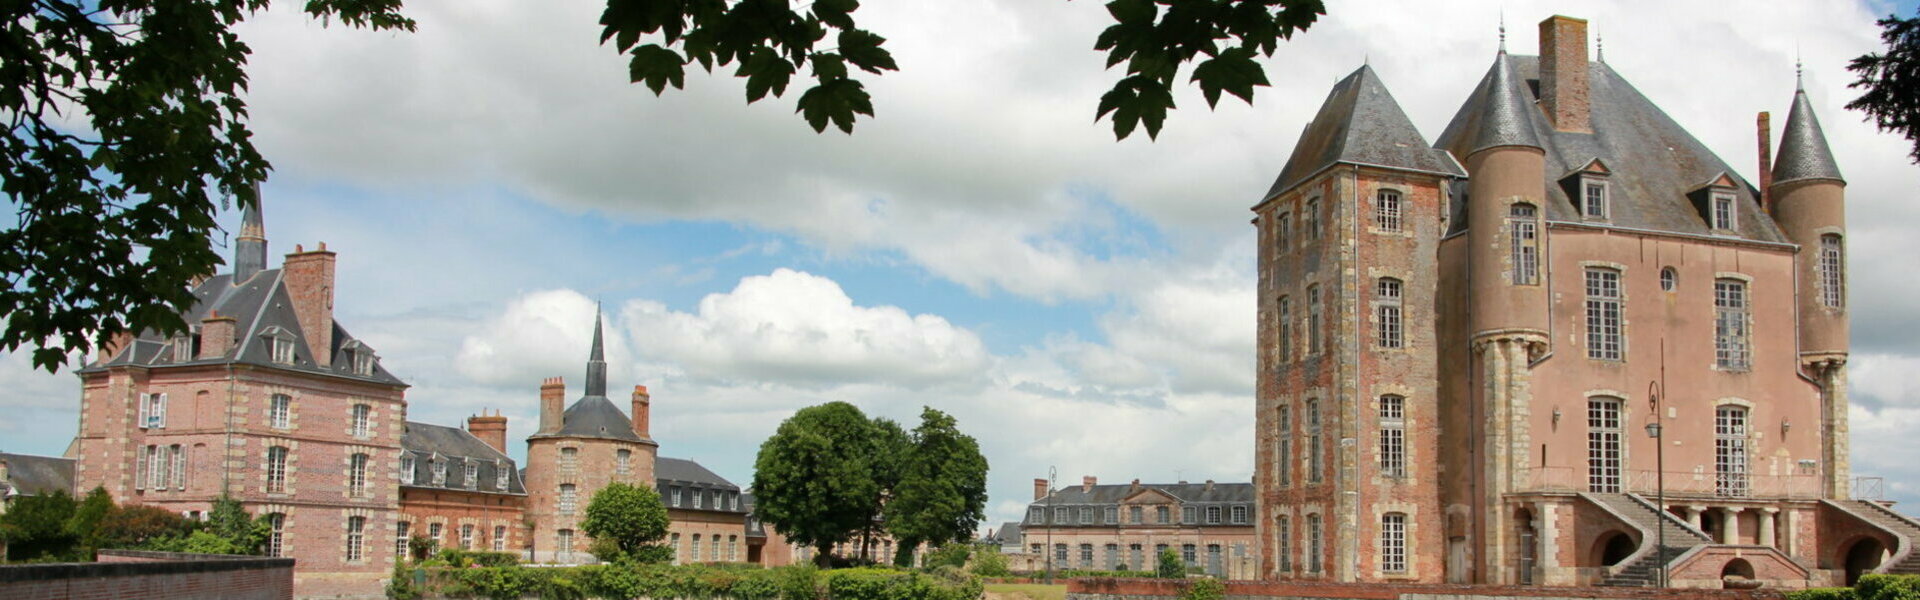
{"type": "Point", "coordinates": [1461, 344]}
{"type": "Point", "coordinates": [1124, 527]}
{"type": "Point", "coordinates": [267, 399]}
{"type": "Point", "coordinates": [459, 488]}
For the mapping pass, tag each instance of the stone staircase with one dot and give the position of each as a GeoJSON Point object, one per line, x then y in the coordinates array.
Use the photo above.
{"type": "Point", "coordinates": [1651, 521]}
{"type": "Point", "coordinates": [1886, 518]}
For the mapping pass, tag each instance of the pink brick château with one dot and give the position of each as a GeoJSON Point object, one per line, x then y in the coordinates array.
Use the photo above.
{"type": "Point", "coordinates": [1460, 345]}
{"type": "Point", "coordinates": [268, 400]}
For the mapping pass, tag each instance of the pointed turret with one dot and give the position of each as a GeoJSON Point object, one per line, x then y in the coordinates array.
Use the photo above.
{"type": "Point", "coordinates": [1803, 147]}
{"type": "Point", "coordinates": [1360, 124]}
{"type": "Point", "coordinates": [597, 361]}
{"type": "Point", "coordinates": [250, 248]}
{"type": "Point", "coordinates": [1509, 108]}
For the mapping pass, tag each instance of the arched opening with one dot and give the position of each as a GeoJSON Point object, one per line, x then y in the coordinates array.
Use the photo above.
{"type": "Point", "coordinates": [1862, 557]}
{"type": "Point", "coordinates": [1613, 547]}
{"type": "Point", "coordinates": [1737, 572]}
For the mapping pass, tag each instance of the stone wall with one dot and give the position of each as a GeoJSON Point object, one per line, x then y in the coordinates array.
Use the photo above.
{"type": "Point", "coordinates": [1171, 589]}
{"type": "Point", "coordinates": [152, 575]}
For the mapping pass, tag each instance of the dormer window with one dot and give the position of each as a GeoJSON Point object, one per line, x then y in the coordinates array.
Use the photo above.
{"type": "Point", "coordinates": [280, 343]}
{"type": "Point", "coordinates": [406, 469]}
{"type": "Point", "coordinates": [472, 474]}
{"type": "Point", "coordinates": [1593, 197]}
{"type": "Point", "coordinates": [1725, 218]}
{"type": "Point", "coordinates": [439, 471]}
{"type": "Point", "coordinates": [501, 471]}
{"type": "Point", "coordinates": [183, 350]}
{"type": "Point", "coordinates": [360, 358]}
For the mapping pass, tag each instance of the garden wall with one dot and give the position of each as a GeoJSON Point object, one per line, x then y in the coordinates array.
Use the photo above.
{"type": "Point", "coordinates": [152, 575]}
{"type": "Point", "coordinates": [1171, 589]}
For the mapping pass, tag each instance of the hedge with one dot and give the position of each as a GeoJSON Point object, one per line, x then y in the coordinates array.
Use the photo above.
{"type": "Point", "coordinates": [699, 582]}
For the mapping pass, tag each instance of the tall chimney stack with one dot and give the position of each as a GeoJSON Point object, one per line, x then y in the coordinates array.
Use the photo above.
{"type": "Point", "coordinates": [1563, 73]}
{"type": "Point", "coordinates": [552, 392]}
{"type": "Point", "coordinates": [309, 281]}
{"type": "Point", "coordinates": [1087, 483]}
{"type": "Point", "coordinates": [491, 429]}
{"type": "Point", "coordinates": [1040, 488]}
{"type": "Point", "coordinates": [642, 411]}
{"type": "Point", "coordinates": [1765, 123]}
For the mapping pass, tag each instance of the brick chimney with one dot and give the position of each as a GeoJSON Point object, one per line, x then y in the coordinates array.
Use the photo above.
{"type": "Point", "coordinates": [553, 391]}
{"type": "Point", "coordinates": [491, 429]}
{"type": "Point", "coordinates": [309, 280]}
{"type": "Point", "coordinates": [1764, 123]}
{"type": "Point", "coordinates": [1040, 488]}
{"type": "Point", "coordinates": [216, 335]}
{"type": "Point", "coordinates": [1563, 73]}
{"type": "Point", "coordinates": [1087, 483]}
{"type": "Point", "coordinates": [642, 411]}
{"type": "Point", "coordinates": [1209, 486]}
{"type": "Point", "coordinates": [1135, 487]}
{"type": "Point", "coordinates": [111, 347]}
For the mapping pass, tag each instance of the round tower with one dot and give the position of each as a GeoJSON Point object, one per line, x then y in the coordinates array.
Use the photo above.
{"type": "Point", "coordinates": [1506, 209]}
{"type": "Point", "coordinates": [1809, 204]}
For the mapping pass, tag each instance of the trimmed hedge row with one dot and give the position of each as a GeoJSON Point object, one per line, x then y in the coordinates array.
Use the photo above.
{"type": "Point", "coordinates": [1870, 587]}
{"type": "Point", "coordinates": [701, 582]}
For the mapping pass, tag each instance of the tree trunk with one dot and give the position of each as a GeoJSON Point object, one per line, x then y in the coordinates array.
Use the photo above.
{"type": "Point", "coordinates": [903, 552]}
{"type": "Point", "coordinates": [823, 555]}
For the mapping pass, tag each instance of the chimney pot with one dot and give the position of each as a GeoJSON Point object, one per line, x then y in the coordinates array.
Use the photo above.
{"type": "Point", "coordinates": [1563, 74]}
{"type": "Point", "coordinates": [490, 429]}
{"type": "Point", "coordinates": [1087, 483]}
{"type": "Point", "coordinates": [553, 391]}
{"type": "Point", "coordinates": [642, 411]}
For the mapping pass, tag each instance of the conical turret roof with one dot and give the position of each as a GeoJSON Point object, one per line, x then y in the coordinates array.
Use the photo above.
{"type": "Point", "coordinates": [1360, 123]}
{"type": "Point", "coordinates": [1803, 147]}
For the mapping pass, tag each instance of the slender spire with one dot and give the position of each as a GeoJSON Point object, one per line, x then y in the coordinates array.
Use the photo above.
{"type": "Point", "coordinates": [1803, 146]}
{"type": "Point", "coordinates": [1503, 31]}
{"type": "Point", "coordinates": [1599, 47]}
{"type": "Point", "coordinates": [250, 249]}
{"type": "Point", "coordinates": [597, 361]}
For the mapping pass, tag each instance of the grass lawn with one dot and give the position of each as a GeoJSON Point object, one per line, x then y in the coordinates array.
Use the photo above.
{"type": "Point", "coordinates": [1025, 591]}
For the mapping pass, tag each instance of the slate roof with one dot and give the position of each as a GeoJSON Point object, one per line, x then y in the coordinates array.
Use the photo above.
{"type": "Point", "coordinates": [1189, 493]}
{"type": "Point", "coordinates": [1803, 147]}
{"type": "Point", "coordinates": [694, 479]}
{"type": "Point", "coordinates": [594, 415]}
{"type": "Point", "coordinates": [30, 475]}
{"type": "Point", "coordinates": [1007, 535]}
{"type": "Point", "coordinates": [1360, 123]}
{"type": "Point", "coordinates": [256, 304]}
{"type": "Point", "coordinates": [1655, 164]}
{"type": "Point", "coordinates": [680, 470]}
{"type": "Point", "coordinates": [426, 441]}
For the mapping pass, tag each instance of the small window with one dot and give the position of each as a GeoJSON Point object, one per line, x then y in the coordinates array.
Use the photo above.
{"type": "Point", "coordinates": [1213, 515]}
{"type": "Point", "coordinates": [1725, 217]}
{"type": "Point", "coordinates": [183, 350]}
{"type": "Point", "coordinates": [1189, 515]}
{"type": "Point", "coordinates": [499, 538]}
{"type": "Point", "coordinates": [1136, 515]}
{"type": "Point", "coordinates": [1086, 515]}
{"type": "Point", "coordinates": [567, 498]}
{"type": "Point", "coordinates": [1387, 210]}
{"type": "Point", "coordinates": [569, 457]}
{"type": "Point", "coordinates": [439, 470]}
{"type": "Point", "coordinates": [699, 499]}
{"type": "Point", "coordinates": [1593, 198]}
{"type": "Point", "coordinates": [1112, 515]}
{"type": "Point", "coordinates": [153, 411]}
{"type": "Point", "coordinates": [623, 461]}
{"type": "Point", "coordinates": [283, 349]}
{"type": "Point", "coordinates": [1061, 516]}
{"type": "Point", "coordinates": [1832, 272]}
{"type": "Point", "coordinates": [471, 475]}
{"type": "Point", "coordinates": [406, 469]}
{"type": "Point", "coordinates": [674, 492]}
{"type": "Point", "coordinates": [501, 471]}
{"type": "Point", "coordinates": [1669, 279]}
{"type": "Point", "coordinates": [361, 414]}
{"type": "Point", "coordinates": [280, 411]}
{"type": "Point", "coordinates": [1239, 514]}
{"type": "Point", "coordinates": [363, 362]}
{"type": "Point", "coordinates": [1162, 515]}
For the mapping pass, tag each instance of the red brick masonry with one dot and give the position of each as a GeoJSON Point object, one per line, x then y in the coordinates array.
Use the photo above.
{"type": "Point", "coordinates": [1109, 588]}
{"type": "Point", "coordinates": [152, 575]}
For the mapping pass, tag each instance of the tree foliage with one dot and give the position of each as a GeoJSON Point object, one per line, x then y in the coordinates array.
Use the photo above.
{"type": "Point", "coordinates": [625, 519]}
{"type": "Point", "coordinates": [125, 120]}
{"type": "Point", "coordinates": [35, 528]}
{"type": "Point", "coordinates": [1169, 566]}
{"type": "Point", "coordinates": [1892, 80]}
{"type": "Point", "coordinates": [813, 479]}
{"type": "Point", "coordinates": [942, 494]}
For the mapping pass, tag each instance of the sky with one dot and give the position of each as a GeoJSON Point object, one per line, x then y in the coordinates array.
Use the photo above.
{"type": "Point", "coordinates": [982, 246]}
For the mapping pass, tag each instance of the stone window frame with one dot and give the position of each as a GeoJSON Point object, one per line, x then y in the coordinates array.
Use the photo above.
{"type": "Point", "coordinates": [1086, 515]}
{"type": "Point", "coordinates": [1597, 450]}
{"type": "Point", "coordinates": [1392, 452]}
{"type": "Point", "coordinates": [1283, 461]}
{"type": "Point", "coordinates": [1733, 444]}
{"type": "Point", "coordinates": [280, 345]}
{"type": "Point", "coordinates": [1830, 268]}
{"type": "Point", "coordinates": [1284, 312]}
{"type": "Point", "coordinates": [278, 467]}
{"type": "Point", "coordinates": [563, 544]}
{"type": "Point", "coordinates": [1311, 221]}
{"type": "Point", "coordinates": [358, 462]}
{"type": "Point", "coordinates": [623, 461]}
{"type": "Point", "coordinates": [1062, 515]}
{"type": "Point", "coordinates": [502, 474]}
{"type": "Point", "coordinates": [1389, 210]}
{"type": "Point", "coordinates": [1316, 320]}
{"type": "Point", "coordinates": [499, 542]}
{"type": "Point", "coordinates": [1137, 514]}
{"type": "Point", "coordinates": [1214, 515]}
{"type": "Point", "coordinates": [356, 540]}
{"type": "Point", "coordinates": [1189, 515]}
{"type": "Point", "coordinates": [280, 410]}
{"type": "Point", "coordinates": [1600, 343]}
{"type": "Point", "coordinates": [407, 466]}
{"type": "Point", "coordinates": [567, 500]}
{"type": "Point", "coordinates": [1035, 515]}
{"type": "Point", "coordinates": [1732, 322]}
{"type": "Point", "coordinates": [360, 420]}
{"type": "Point", "coordinates": [1393, 543]}
{"type": "Point", "coordinates": [1111, 515]}
{"type": "Point", "coordinates": [1314, 547]}
{"type": "Point", "coordinates": [466, 536]}
{"type": "Point", "coordinates": [1523, 241]}
{"type": "Point", "coordinates": [1283, 543]}
{"type": "Point", "coordinates": [1389, 316]}
{"type": "Point", "coordinates": [1723, 210]}
{"type": "Point", "coordinates": [1163, 515]}
{"type": "Point", "coordinates": [1316, 459]}
{"type": "Point", "coordinates": [1590, 182]}
{"type": "Point", "coordinates": [401, 529]}
{"type": "Point", "coordinates": [469, 474]}
{"type": "Point", "coordinates": [276, 534]}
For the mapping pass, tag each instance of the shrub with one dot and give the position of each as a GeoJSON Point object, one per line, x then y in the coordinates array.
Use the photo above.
{"type": "Point", "coordinates": [799, 582]}
{"type": "Point", "coordinates": [1206, 588]}
{"type": "Point", "coordinates": [401, 586]}
{"type": "Point", "coordinates": [990, 564]}
{"type": "Point", "coordinates": [950, 555]}
{"type": "Point", "coordinates": [1170, 566]}
{"type": "Point", "coordinates": [1839, 593]}
{"type": "Point", "coordinates": [1071, 573]}
{"type": "Point", "coordinates": [1887, 587]}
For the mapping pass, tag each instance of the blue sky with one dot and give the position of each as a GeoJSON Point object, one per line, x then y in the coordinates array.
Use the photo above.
{"type": "Point", "coordinates": [982, 246]}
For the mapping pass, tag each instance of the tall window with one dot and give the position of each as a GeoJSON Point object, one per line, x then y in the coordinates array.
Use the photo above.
{"type": "Point", "coordinates": [280, 411]}
{"type": "Point", "coordinates": [439, 470]}
{"type": "Point", "coordinates": [161, 461]}
{"type": "Point", "coordinates": [1593, 199]}
{"type": "Point", "coordinates": [1730, 349]}
{"type": "Point", "coordinates": [1730, 451]}
{"type": "Point", "coordinates": [502, 470]}
{"type": "Point", "coordinates": [1313, 543]}
{"type": "Point", "coordinates": [1524, 233]}
{"type": "Point", "coordinates": [699, 498]}
{"type": "Point", "coordinates": [1136, 515]}
{"type": "Point", "coordinates": [1393, 436]}
{"type": "Point", "coordinates": [361, 413]}
{"type": "Point", "coordinates": [1313, 319]}
{"type": "Point", "coordinates": [1603, 445]}
{"type": "Point", "coordinates": [466, 536]}
{"type": "Point", "coordinates": [400, 539]}
{"type": "Point", "coordinates": [1832, 272]}
{"type": "Point", "coordinates": [1603, 314]}
{"type": "Point", "coordinates": [1281, 347]}
{"type": "Point", "coordinates": [1284, 531]}
{"type": "Point", "coordinates": [1313, 441]}
{"type": "Point", "coordinates": [153, 411]}
{"type": "Point", "coordinates": [357, 475]}
{"type": "Point", "coordinates": [1283, 454]}
{"type": "Point", "coordinates": [1387, 326]}
{"type": "Point", "coordinates": [179, 467]}
{"type": "Point", "coordinates": [1060, 553]}
{"type": "Point", "coordinates": [623, 461]}
{"type": "Point", "coordinates": [676, 548]}
{"type": "Point", "coordinates": [1393, 543]}
{"type": "Point", "coordinates": [499, 538]}
{"type": "Point", "coordinates": [1086, 556]}
{"type": "Point", "coordinates": [693, 549]}
{"type": "Point", "coordinates": [1187, 554]}
{"type": "Point", "coordinates": [276, 534]}
{"type": "Point", "coordinates": [471, 476]}
{"type": "Point", "coordinates": [433, 533]}
{"type": "Point", "coordinates": [356, 535]}
{"type": "Point", "coordinates": [1283, 232]}
{"type": "Point", "coordinates": [1386, 210]}
{"type": "Point", "coordinates": [1724, 216]}
{"type": "Point", "coordinates": [1311, 219]}
{"type": "Point", "coordinates": [565, 544]}
{"type": "Point", "coordinates": [566, 498]}
{"type": "Point", "coordinates": [277, 469]}
{"type": "Point", "coordinates": [406, 469]}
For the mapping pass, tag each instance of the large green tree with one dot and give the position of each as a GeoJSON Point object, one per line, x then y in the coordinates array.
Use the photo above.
{"type": "Point", "coordinates": [35, 528]}
{"type": "Point", "coordinates": [813, 479]}
{"type": "Point", "coordinates": [1892, 80]}
{"type": "Point", "coordinates": [942, 496]}
{"type": "Point", "coordinates": [127, 126]}
{"type": "Point", "coordinates": [625, 520]}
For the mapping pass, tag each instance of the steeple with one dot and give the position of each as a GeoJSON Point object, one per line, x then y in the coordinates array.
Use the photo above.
{"type": "Point", "coordinates": [1803, 147]}
{"type": "Point", "coordinates": [250, 249]}
{"type": "Point", "coordinates": [596, 361]}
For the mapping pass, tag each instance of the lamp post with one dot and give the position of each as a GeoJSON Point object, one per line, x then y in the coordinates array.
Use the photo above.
{"type": "Point", "coordinates": [1052, 473]}
{"type": "Point", "coordinates": [1654, 390]}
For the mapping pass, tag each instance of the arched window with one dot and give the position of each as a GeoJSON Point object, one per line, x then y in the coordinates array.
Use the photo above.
{"type": "Point", "coordinates": [1730, 345]}
{"type": "Point", "coordinates": [362, 414]}
{"type": "Point", "coordinates": [1603, 445]}
{"type": "Point", "coordinates": [565, 543]}
{"type": "Point", "coordinates": [1523, 230]}
{"type": "Point", "coordinates": [1833, 266]}
{"type": "Point", "coordinates": [622, 461]}
{"type": "Point", "coordinates": [1386, 210]}
{"type": "Point", "coordinates": [280, 411]}
{"type": "Point", "coordinates": [356, 536]}
{"type": "Point", "coordinates": [1393, 543]}
{"type": "Point", "coordinates": [1730, 451]}
{"type": "Point", "coordinates": [1393, 436]}
{"type": "Point", "coordinates": [276, 534]}
{"type": "Point", "coordinates": [400, 539]}
{"type": "Point", "coordinates": [1388, 330]}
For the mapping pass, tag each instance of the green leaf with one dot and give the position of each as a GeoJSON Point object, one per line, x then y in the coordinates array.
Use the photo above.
{"type": "Point", "coordinates": [837, 13]}
{"type": "Point", "coordinates": [837, 101]}
{"type": "Point", "coordinates": [1234, 71]}
{"type": "Point", "coordinates": [862, 48]}
{"type": "Point", "coordinates": [766, 71]}
{"type": "Point", "coordinates": [657, 67]}
{"type": "Point", "coordinates": [827, 65]}
{"type": "Point", "coordinates": [1132, 11]}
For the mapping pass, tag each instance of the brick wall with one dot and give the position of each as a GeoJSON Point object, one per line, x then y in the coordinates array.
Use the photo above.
{"type": "Point", "coordinates": [151, 575]}
{"type": "Point", "coordinates": [1165, 589]}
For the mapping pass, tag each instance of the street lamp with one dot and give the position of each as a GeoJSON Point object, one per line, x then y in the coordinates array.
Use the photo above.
{"type": "Point", "coordinates": [1654, 390]}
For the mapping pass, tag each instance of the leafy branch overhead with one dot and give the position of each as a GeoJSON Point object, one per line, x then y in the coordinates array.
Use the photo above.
{"type": "Point", "coordinates": [1892, 80]}
{"type": "Point", "coordinates": [770, 40]}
